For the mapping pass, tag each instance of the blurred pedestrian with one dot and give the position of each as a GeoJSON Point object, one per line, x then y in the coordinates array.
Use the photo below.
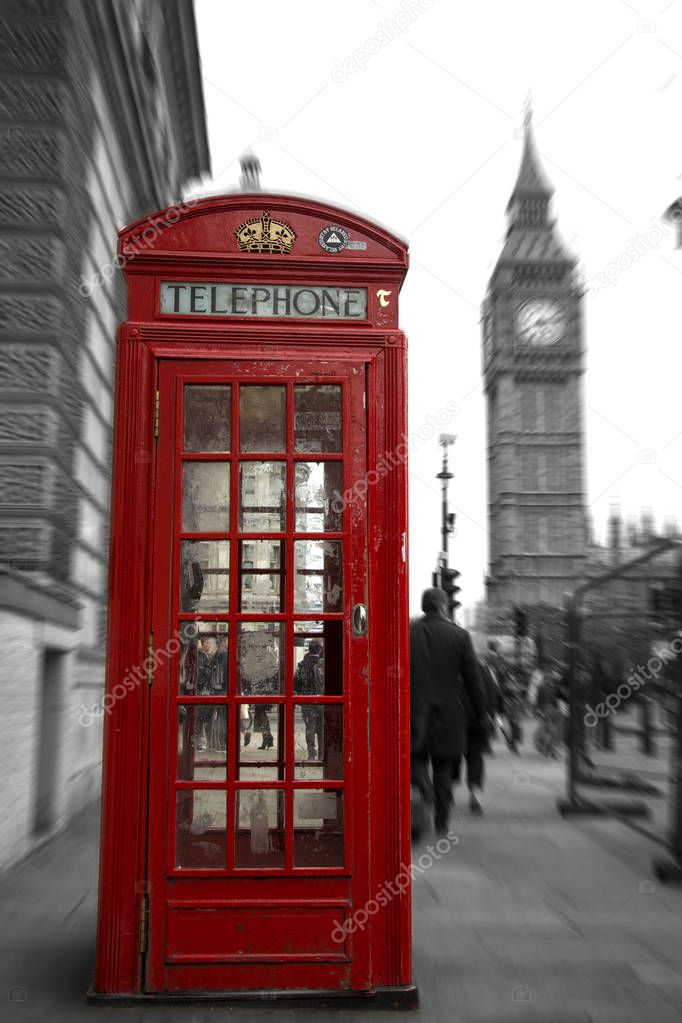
{"type": "Point", "coordinates": [478, 735]}
{"type": "Point", "coordinates": [443, 675]}
{"type": "Point", "coordinates": [550, 719]}
{"type": "Point", "coordinates": [512, 707]}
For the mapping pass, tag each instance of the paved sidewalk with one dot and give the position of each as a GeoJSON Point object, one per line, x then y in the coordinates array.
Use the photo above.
{"type": "Point", "coordinates": [538, 918]}
{"type": "Point", "coordinates": [529, 918]}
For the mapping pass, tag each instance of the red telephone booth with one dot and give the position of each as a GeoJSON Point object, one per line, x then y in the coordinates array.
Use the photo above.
{"type": "Point", "coordinates": [255, 833]}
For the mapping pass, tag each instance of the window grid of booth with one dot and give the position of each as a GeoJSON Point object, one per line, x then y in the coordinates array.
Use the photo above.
{"type": "Point", "coordinates": [259, 768]}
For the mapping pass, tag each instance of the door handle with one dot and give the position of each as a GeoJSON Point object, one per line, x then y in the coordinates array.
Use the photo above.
{"type": "Point", "coordinates": [360, 620]}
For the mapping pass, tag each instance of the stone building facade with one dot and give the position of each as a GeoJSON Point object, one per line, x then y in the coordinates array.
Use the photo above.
{"type": "Point", "coordinates": [101, 120]}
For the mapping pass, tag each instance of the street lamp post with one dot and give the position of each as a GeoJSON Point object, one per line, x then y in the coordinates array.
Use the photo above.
{"type": "Point", "coordinates": [444, 577]}
{"type": "Point", "coordinates": [445, 440]}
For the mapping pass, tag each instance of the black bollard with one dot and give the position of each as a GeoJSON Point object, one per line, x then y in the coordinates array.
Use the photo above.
{"type": "Point", "coordinates": [647, 744]}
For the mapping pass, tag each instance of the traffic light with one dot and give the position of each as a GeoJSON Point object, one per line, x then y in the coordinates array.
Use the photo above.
{"type": "Point", "coordinates": [449, 577]}
{"type": "Point", "coordinates": [520, 623]}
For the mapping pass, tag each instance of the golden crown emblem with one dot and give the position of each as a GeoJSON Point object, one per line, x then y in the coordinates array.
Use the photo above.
{"type": "Point", "coordinates": [262, 234]}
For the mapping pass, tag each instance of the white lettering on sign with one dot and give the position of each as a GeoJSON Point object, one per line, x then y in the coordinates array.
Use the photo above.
{"type": "Point", "coordinates": [190, 298]}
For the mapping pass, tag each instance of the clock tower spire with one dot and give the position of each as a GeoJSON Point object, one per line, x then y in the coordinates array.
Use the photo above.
{"type": "Point", "coordinates": [533, 360]}
{"type": "Point", "coordinates": [529, 201]}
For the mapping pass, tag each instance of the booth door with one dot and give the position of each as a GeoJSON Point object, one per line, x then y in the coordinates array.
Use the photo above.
{"type": "Point", "coordinates": [258, 837]}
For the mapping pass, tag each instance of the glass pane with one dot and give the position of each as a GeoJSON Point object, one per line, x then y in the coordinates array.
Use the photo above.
{"type": "Point", "coordinates": [261, 750]}
{"type": "Point", "coordinates": [260, 659]}
{"type": "Point", "coordinates": [315, 628]}
{"type": "Point", "coordinates": [207, 417]}
{"type": "Point", "coordinates": [203, 659]}
{"type": "Point", "coordinates": [205, 497]}
{"type": "Point", "coordinates": [259, 837]}
{"type": "Point", "coordinates": [202, 742]}
{"type": "Point", "coordinates": [317, 417]}
{"type": "Point", "coordinates": [204, 575]}
{"type": "Point", "coordinates": [319, 497]}
{"type": "Point", "coordinates": [323, 640]}
{"type": "Point", "coordinates": [318, 741]}
{"type": "Point", "coordinates": [318, 828]}
{"type": "Point", "coordinates": [318, 575]}
{"type": "Point", "coordinates": [262, 500]}
{"type": "Point", "coordinates": [261, 587]}
{"type": "Point", "coordinates": [200, 828]}
{"type": "Point", "coordinates": [261, 417]}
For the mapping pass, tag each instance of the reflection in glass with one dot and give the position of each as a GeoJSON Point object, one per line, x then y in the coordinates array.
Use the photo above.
{"type": "Point", "coordinates": [261, 584]}
{"type": "Point", "coordinates": [261, 417]}
{"type": "Point", "coordinates": [317, 417]}
{"type": "Point", "coordinates": [318, 741]}
{"type": "Point", "coordinates": [207, 417]}
{"type": "Point", "coordinates": [318, 828]}
{"type": "Point", "coordinates": [200, 828]}
{"type": "Point", "coordinates": [260, 659]}
{"type": "Point", "coordinates": [309, 666]}
{"type": "Point", "coordinates": [319, 497]}
{"type": "Point", "coordinates": [318, 575]}
{"type": "Point", "coordinates": [259, 837]}
{"type": "Point", "coordinates": [329, 636]}
{"type": "Point", "coordinates": [204, 575]}
{"type": "Point", "coordinates": [261, 750]}
{"type": "Point", "coordinates": [262, 496]}
{"type": "Point", "coordinates": [206, 497]}
{"type": "Point", "coordinates": [203, 658]}
{"type": "Point", "coordinates": [202, 742]}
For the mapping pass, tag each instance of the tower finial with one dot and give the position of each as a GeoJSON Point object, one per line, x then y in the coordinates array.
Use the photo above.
{"type": "Point", "coordinates": [531, 181]}
{"type": "Point", "coordinates": [250, 176]}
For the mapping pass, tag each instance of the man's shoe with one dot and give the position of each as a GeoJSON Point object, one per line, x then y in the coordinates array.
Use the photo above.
{"type": "Point", "coordinates": [475, 807]}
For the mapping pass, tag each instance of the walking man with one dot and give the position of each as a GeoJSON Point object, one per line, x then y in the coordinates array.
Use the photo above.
{"type": "Point", "coordinates": [444, 683]}
{"type": "Point", "coordinates": [478, 735]}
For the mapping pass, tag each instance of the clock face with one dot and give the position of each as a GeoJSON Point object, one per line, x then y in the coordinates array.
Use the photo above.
{"type": "Point", "coordinates": [540, 322]}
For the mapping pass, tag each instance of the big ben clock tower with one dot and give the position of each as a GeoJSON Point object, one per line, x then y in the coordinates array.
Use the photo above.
{"type": "Point", "coordinates": [533, 361]}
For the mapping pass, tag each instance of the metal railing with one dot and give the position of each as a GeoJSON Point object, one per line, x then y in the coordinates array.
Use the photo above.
{"type": "Point", "coordinates": [664, 784]}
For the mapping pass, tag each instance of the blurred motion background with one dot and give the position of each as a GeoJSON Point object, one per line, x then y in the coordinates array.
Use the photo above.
{"type": "Point", "coordinates": [102, 120]}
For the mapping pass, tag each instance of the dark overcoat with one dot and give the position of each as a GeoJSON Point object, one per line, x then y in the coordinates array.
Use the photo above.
{"type": "Point", "coordinates": [445, 687]}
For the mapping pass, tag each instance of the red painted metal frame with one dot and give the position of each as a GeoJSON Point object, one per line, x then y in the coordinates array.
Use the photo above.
{"type": "Point", "coordinates": [197, 244]}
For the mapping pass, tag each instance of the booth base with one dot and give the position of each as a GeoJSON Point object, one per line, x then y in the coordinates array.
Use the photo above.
{"type": "Point", "coordinates": [398, 998]}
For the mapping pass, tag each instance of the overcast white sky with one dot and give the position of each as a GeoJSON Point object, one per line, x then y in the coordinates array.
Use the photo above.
{"type": "Point", "coordinates": [425, 140]}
